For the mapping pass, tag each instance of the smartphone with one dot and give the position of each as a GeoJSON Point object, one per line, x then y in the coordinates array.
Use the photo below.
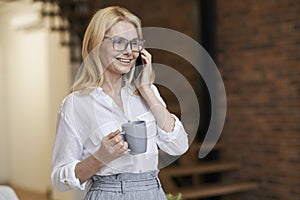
{"type": "Point", "coordinates": [139, 64]}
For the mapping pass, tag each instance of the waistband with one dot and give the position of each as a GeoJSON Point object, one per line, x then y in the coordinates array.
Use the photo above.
{"type": "Point", "coordinates": [126, 182]}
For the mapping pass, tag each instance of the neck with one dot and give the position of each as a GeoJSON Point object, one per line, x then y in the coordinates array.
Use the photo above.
{"type": "Point", "coordinates": [112, 84]}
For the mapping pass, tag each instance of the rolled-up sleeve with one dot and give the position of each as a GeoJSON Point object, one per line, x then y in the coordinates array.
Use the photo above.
{"type": "Point", "coordinates": [176, 141]}
{"type": "Point", "coordinates": [67, 153]}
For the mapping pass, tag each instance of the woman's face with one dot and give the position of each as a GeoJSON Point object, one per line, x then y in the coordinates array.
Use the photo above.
{"type": "Point", "coordinates": [116, 61]}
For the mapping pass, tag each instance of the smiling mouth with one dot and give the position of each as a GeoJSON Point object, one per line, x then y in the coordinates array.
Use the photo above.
{"type": "Point", "coordinates": [123, 60]}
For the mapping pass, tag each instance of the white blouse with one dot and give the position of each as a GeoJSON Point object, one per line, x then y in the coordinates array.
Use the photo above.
{"type": "Point", "coordinates": [84, 120]}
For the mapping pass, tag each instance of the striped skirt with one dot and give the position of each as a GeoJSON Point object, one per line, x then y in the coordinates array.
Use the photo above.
{"type": "Point", "coordinates": [126, 186]}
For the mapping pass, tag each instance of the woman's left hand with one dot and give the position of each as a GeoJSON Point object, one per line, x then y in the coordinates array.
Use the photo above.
{"type": "Point", "coordinates": [144, 79]}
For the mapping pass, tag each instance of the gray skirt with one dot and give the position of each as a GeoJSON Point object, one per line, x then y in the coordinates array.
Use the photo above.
{"type": "Point", "coordinates": [126, 186]}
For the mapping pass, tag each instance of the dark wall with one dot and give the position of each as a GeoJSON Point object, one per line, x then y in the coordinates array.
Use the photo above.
{"type": "Point", "coordinates": [258, 53]}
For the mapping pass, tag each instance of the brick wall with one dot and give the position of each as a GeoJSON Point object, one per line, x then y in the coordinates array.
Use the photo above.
{"type": "Point", "coordinates": [258, 53]}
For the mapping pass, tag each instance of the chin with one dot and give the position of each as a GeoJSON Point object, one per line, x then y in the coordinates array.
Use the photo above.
{"type": "Point", "coordinates": [123, 69]}
{"type": "Point", "coordinates": [126, 71]}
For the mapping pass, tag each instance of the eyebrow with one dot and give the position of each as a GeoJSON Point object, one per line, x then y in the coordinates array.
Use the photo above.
{"type": "Point", "coordinates": [119, 37]}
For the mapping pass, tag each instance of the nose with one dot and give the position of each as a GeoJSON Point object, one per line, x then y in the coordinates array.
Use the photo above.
{"type": "Point", "coordinates": [127, 50]}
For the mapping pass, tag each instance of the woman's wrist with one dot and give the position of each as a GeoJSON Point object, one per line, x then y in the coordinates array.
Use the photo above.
{"type": "Point", "coordinates": [145, 90]}
{"type": "Point", "coordinates": [87, 168]}
{"type": "Point", "coordinates": [97, 160]}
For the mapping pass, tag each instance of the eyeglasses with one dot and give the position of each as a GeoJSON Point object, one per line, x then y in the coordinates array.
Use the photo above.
{"type": "Point", "coordinates": [121, 44]}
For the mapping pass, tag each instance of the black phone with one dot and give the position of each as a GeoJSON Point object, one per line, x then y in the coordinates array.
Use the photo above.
{"type": "Point", "coordinates": [139, 64]}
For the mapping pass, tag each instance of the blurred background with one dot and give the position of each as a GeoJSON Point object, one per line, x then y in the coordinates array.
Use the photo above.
{"type": "Point", "coordinates": [256, 46]}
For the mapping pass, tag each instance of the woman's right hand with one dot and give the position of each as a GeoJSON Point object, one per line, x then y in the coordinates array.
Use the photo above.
{"type": "Point", "coordinates": [112, 147]}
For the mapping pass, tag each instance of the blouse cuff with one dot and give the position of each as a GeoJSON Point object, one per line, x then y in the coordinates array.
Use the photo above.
{"type": "Point", "coordinates": [69, 178]}
{"type": "Point", "coordinates": [169, 136]}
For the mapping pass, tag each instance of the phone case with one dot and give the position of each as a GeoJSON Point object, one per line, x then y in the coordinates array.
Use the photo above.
{"type": "Point", "coordinates": [138, 66]}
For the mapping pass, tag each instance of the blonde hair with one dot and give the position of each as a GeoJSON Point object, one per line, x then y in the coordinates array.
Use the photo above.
{"type": "Point", "coordinates": [91, 72]}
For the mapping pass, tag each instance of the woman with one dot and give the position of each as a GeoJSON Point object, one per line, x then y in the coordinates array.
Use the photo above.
{"type": "Point", "coordinates": [89, 153]}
